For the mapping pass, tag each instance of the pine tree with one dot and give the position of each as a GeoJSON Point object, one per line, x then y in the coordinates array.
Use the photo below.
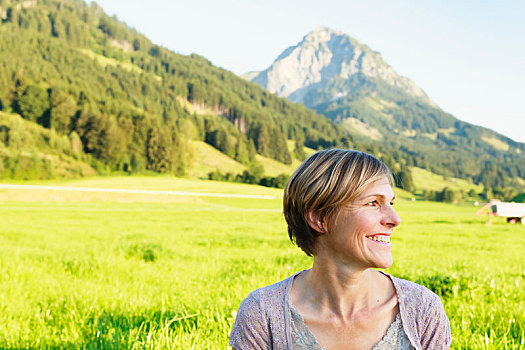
{"type": "Point", "coordinates": [33, 102]}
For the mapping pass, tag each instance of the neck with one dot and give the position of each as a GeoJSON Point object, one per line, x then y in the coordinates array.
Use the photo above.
{"type": "Point", "coordinates": [340, 289]}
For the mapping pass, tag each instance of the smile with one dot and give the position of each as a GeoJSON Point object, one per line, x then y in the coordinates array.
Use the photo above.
{"type": "Point", "coordinates": [380, 239]}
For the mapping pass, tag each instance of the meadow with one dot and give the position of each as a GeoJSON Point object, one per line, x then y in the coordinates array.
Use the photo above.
{"type": "Point", "coordinates": [112, 271]}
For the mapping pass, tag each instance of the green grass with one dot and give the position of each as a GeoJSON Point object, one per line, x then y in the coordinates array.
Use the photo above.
{"type": "Point", "coordinates": [106, 61]}
{"type": "Point", "coordinates": [274, 168]}
{"type": "Point", "coordinates": [208, 159]}
{"type": "Point", "coordinates": [114, 272]}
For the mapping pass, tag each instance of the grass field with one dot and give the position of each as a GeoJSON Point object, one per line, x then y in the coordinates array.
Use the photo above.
{"type": "Point", "coordinates": [82, 270]}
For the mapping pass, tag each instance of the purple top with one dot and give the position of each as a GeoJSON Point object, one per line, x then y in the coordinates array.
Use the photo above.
{"type": "Point", "coordinates": [263, 319]}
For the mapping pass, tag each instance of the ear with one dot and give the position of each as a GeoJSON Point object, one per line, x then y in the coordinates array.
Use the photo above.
{"type": "Point", "coordinates": [315, 222]}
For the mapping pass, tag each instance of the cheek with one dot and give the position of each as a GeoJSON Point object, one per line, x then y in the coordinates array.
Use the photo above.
{"type": "Point", "coordinates": [352, 226]}
{"type": "Point", "coordinates": [354, 231]}
{"type": "Point", "coordinates": [363, 223]}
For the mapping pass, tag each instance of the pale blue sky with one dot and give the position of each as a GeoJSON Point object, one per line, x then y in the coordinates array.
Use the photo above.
{"type": "Point", "coordinates": [468, 56]}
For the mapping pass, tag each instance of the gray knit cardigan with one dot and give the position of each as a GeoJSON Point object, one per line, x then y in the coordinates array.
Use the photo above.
{"type": "Point", "coordinates": [263, 319]}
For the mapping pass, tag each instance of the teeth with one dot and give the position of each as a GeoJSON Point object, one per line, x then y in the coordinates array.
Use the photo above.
{"type": "Point", "coordinates": [381, 238]}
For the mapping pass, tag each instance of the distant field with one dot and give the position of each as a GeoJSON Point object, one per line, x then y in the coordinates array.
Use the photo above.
{"type": "Point", "coordinates": [134, 271]}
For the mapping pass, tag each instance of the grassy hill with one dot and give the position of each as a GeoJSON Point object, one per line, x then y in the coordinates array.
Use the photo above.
{"type": "Point", "coordinates": [425, 180]}
{"type": "Point", "coordinates": [208, 159]}
{"type": "Point", "coordinates": [28, 150]}
{"type": "Point", "coordinates": [273, 168]}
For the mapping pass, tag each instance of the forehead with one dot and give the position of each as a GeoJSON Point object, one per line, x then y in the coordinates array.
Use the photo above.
{"type": "Point", "coordinates": [378, 188]}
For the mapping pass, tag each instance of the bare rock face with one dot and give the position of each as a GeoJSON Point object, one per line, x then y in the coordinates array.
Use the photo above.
{"type": "Point", "coordinates": [322, 55]}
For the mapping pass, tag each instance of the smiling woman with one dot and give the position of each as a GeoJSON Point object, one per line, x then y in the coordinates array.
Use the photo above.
{"type": "Point", "coordinates": [339, 208]}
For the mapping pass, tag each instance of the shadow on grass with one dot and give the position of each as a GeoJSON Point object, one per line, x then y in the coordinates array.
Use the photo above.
{"type": "Point", "coordinates": [444, 286]}
{"type": "Point", "coordinates": [114, 330]}
{"type": "Point", "coordinates": [443, 222]}
{"type": "Point", "coordinates": [123, 330]}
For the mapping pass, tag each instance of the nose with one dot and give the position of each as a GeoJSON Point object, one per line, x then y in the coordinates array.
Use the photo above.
{"type": "Point", "coordinates": [390, 217]}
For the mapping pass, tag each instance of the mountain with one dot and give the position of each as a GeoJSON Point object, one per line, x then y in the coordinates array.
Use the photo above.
{"type": "Point", "coordinates": [324, 55]}
{"type": "Point", "coordinates": [343, 79]}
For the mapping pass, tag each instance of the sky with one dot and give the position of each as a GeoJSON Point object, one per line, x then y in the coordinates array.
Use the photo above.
{"type": "Point", "coordinates": [468, 55]}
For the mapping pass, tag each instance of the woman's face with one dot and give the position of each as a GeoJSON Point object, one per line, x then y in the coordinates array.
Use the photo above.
{"type": "Point", "coordinates": [360, 234]}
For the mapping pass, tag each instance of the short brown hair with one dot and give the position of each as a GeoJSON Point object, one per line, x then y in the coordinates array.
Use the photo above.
{"type": "Point", "coordinates": [323, 183]}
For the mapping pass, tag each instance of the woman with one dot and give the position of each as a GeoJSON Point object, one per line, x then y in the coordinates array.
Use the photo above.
{"type": "Point", "coordinates": [338, 206]}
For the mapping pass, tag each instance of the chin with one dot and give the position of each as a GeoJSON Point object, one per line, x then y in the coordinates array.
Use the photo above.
{"type": "Point", "coordinates": [384, 264]}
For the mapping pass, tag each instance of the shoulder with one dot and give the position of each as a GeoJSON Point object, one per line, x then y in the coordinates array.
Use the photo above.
{"type": "Point", "coordinates": [258, 314]}
{"type": "Point", "coordinates": [261, 299]}
{"type": "Point", "coordinates": [423, 315]}
{"type": "Point", "coordinates": [410, 292]}
{"type": "Point", "coordinates": [272, 294]}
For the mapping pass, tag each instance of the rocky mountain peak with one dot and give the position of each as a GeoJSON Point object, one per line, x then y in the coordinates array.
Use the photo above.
{"type": "Point", "coordinates": [323, 55]}
{"type": "Point", "coordinates": [321, 34]}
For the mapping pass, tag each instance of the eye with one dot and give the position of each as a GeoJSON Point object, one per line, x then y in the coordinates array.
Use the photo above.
{"type": "Point", "coordinates": [372, 203]}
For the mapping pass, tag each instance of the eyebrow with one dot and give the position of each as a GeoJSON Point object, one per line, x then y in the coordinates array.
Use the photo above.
{"type": "Point", "coordinates": [378, 195]}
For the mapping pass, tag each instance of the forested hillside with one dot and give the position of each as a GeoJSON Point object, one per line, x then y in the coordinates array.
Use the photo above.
{"type": "Point", "coordinates": [69, 67]}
